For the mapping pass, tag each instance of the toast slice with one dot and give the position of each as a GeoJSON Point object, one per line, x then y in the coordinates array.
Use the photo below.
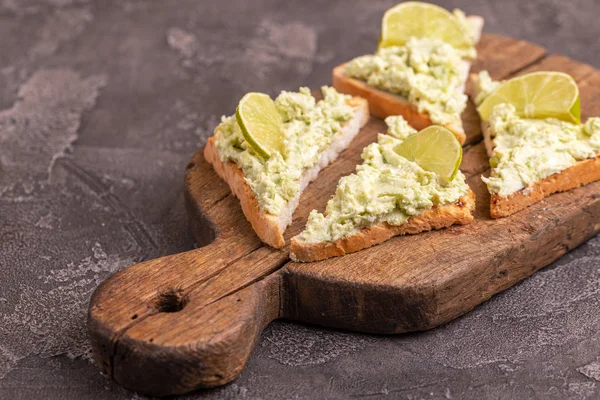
{"type": "Point", "coordinates": [458, 213]}
{"type": "Point", "coordinates": [582, 173]}
{"type": "Point", "coordinates": [383, 175]}
{"type": "Point", "coordinates": [268, 227]}
{"type": "Point", "coordinates": [383, 104]}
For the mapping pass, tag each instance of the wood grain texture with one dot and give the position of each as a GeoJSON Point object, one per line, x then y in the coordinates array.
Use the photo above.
{"type": "Point", "coordinates": [190, 320]}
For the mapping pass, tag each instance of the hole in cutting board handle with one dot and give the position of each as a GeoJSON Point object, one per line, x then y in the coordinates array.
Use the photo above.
{"type": "Point", "coordinates": [170, 300]}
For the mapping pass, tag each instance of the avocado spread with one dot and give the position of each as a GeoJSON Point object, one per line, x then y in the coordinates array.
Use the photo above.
{"type": "Point", "coordinates": [485, 87]}
{"type": "Point", "coordinates": [309, 128]}
{"type": "Point", "coordinates": [385, 188]}
{"type": "Point", "coordinates": [528, 150]}
{"type": "Point", "coordinates": [427, 72]}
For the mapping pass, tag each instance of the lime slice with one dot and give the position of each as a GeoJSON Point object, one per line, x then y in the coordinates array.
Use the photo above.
{"type": "Point", "coordinates": [416, 19]}
{"type": "Point", "coordinates": [435, 149]}
{"type": "Point", "coordinates": [260, 124]}
{"type": "Point", "coordinates": [537, 95]}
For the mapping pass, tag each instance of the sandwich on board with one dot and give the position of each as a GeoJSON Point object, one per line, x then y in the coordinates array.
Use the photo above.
{"type": "Point", "coordinates": [269, 151]}
{"type": "Point", "coordinates": [533, 135]}
{"type": "Point", "coordinates": [408, 183]}
{"type": "Point", "coordinates": [420, 68]}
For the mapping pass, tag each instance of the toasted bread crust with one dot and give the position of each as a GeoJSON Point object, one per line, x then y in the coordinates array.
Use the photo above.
{"type": "Point", "coordinates": [582, 173]}
{"type": "Point", "coordinates": [266, 226]}
{"type": "Point", "coordinates": [270, 228]}
{"type": "Point", "coordinates": [383, 104]}
{"type": "Point", "coordinates": [458, 213]}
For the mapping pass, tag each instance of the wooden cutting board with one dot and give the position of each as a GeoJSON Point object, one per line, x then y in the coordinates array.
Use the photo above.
{"type": "Point", "coordinates": [190, 320]}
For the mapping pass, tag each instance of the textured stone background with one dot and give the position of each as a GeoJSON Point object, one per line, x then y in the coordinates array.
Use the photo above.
{"type": "Point", "coordinates": [103, 102]}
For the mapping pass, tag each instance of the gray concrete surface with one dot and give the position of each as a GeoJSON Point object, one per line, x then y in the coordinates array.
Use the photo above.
{"type": "Point", "coordinates": [102, 104]}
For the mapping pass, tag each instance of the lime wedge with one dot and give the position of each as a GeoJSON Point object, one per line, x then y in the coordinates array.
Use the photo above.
{"type": "Point", "coordinates": [260, 124]}
{"type": "Point", "coordinates": [416, 19]}
{"type": "Point", "coordinates": [537, 95]}
{"type": "Point", "coordinates": [435, 149]}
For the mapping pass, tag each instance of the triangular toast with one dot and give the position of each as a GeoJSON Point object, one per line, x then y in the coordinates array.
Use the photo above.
{"type": "Point", "coordinates": [581, 173]}
{"type": "Point", "coordinates": [442, 215]}
{"type": "Point", "coordinates": [383, 104]}
{"type": "Point", "coordinates": [269, 227]}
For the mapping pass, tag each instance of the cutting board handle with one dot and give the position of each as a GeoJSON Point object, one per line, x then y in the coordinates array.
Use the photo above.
{"type": "Point", "coordinates": [170, 325]}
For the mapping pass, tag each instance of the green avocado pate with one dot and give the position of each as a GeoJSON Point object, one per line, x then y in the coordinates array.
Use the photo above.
{"type": "Point", "coordinates": [309, 127]}
{"type": "Point", "coordinates": [385, 188]}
